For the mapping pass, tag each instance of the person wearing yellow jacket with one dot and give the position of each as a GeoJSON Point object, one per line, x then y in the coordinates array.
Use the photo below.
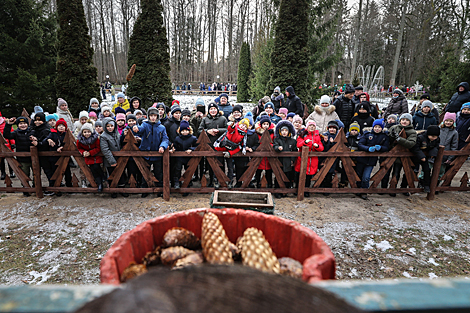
{"type": "Point", "coordinates": [121, 102]}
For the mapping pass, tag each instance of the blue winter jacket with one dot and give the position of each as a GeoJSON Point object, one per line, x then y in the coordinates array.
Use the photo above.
{"type": "Point", "coordinates": [153, 137]}
{"type": "Point", "coordinates": [227, 109]}
{"type": "Point", "coordinates": [422, 121]}
{"type": "Point", "coordinates": [371, 139]}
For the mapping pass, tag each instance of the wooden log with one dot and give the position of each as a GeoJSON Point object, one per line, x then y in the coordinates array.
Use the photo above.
{"type": "Point", "coordinates": [14, 164]}
{"type": "Point", "coordinates": [456, 165]}
{"type": "Point", "coordinates": [36, 172]}
{"type": "Point", "coordinates": [8, 182]}
{"type": "Point", "coordinates": [264, 182]}
{"type": "Point", "coordinates": [435, 173]}
{"type": "Point", "coordinates": [302, 173]}
{"type": "Point", "coordinates": [60, 171]}
{"type": "Point", "coordinates": [132, 182]}
{"type": "Point", "coordinates": [118, 171]}
{"type": "Point", "coordinates": [17, 189]}
{"type": "Point", "coordinates": [74, 180]}
{"type": "Point", "coordinates": [166, 175]}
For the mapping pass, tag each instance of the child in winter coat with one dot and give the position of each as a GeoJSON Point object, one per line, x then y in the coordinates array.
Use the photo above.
{"type": "Point", "coordinates": [374, 141]}
{"type": "Point", "coordinates": [283, 113]}
{"type": "Point", "coordinates": [328, 143]}
{"type": "Point", "coordinates": [184, 142]}
{"type": "Point", "coordinates": [8, 144]}
{"type": "Point", "coordinates": [392, 120]}
{"type": "Point", "coordinates": [463, 125]}
{"type": "Point", "coordinates": [353, 137]}
{"type": "Point", "coordinates": [64, 113]}
{"type": "Point", "coordinates": [110, 142]}
{"type": "Point", "coordinates": [135, 104]}
{"type": "Point", "coordinates": [41, 131]}
{"type": "Point", "coordinates": [131, 167]}
{"type": "Point", "coordinates": [449, 138]}
{"type": "Point", "coordinates": [310, 137]}
{"type": "Point", "coordinates": [122, 102]}
{"type": "Point", "coordinates": [88, 143]}
{"type": "Point", "coordinates": [236, 116]}
{"type": "Point", "coordinates": [269, 109]}
{"type": "Point", "coordinates": [290, 118]}
{"type": "Point", "coordinates": [22, 136]}
{"type": "Point", "coordinates": [121, 122]}
{"type": "Point", "coordinates": [94, 106]}
{"type": "Point", "coordinates": [363, 116]}
{"type": "Point", "coordinates": [92, 117]}
{"type": "Point", "coordinates": [154, 138]}
{"type": "Point", "coordinates": [56, 142]}
{"type": "Point", "coordinates": [105, 112]}
{"type": "Point", "coordinates": [425, 151]}
{"type": "Point", "coordinates": [323, 114]}
{"type": "Point", "coordinates": [283, 142]}
{"type": "Point", "coordinates": [173, 123]}
{"type": "Point", "coordinates": [263, 125]}
{"type": "Point", "coordinates": [298, 125]}
{"type": "Point", "coordinates": [51, 119]}
{"type": "Point", "coordinates": [82, 119]}
{"type": "Point", "coordinates": [99, 127]}
{"type": "Point", "coordinates": [424, 118]}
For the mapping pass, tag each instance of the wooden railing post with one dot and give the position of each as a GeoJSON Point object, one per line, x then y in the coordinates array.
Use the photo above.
{"type": "Point", "coordinates": [166, 175]}
{"type": "Point", "coordinates": [36, 171]}
{"type": "Point", "coordinates": [435, 173]}
{"type": "Point", "coordinates": [302, 174]}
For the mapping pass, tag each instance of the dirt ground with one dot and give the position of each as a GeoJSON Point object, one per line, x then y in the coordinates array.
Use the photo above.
{"type": "Point", "coordinates": [62, 239]}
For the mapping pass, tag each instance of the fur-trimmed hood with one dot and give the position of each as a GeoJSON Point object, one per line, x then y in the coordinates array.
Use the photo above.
{"type": "Point", "coordinates": [260, 130]}
{"type": "Point", "coordinates": [289, 125]}
{"type": "Point", "coordinates": [278, 97]}
{"type": "Point", "coordinates": [190, 130]}
{"type": "Point", "coordinates": [88, 141]}
{"type": "Point", "coordinates": [232, 119]}
{"type": "Point", "coordinates": [328, 110]}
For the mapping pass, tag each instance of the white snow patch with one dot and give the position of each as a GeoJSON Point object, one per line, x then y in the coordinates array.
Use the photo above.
{"type": "Point", "coordinates": [44, 275]}
{"type": "Point", "coordinates": [447, 238]}
{"type": "Point", "coordinates": [384, 245]}
{"type": "Point", "coordinates": [433, 276]}
{"type": "Point", "coordinates": [407, 275]}
{"type": "Point", "coordinates": [369, 245]}
{"type": "Point", "coordinates": [412, 251]}
{"type": "Point", "coordinates": [431, 261]}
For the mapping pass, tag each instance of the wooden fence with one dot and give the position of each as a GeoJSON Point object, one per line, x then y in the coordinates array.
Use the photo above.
{"type": "Point", "coordinates": [198, 92]}
{"type": "Point", "coordinates": [265, 150]}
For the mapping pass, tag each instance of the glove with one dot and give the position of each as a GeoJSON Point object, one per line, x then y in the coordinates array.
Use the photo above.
{"type": "Point", "coordinates": [315, 145]}
{"type": "Point", "coordinates": [226, 155]}
{"type": "Point", "coordinates": [371, 149]}
{"type": "Point", "coordinates": [377, 147]}
{"type": "Point", "coordinates": [244, 151]}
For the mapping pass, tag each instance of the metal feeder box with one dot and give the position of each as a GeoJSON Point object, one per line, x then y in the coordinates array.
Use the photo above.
{"type": "Point", "coordinates": [256, 201]}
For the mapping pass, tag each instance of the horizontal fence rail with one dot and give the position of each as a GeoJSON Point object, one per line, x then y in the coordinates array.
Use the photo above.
{"type": "Point", "coordinates": [265, 150]}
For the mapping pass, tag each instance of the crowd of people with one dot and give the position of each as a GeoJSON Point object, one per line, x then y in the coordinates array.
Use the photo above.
{"type": "Point", "coordinates": [101, 129]}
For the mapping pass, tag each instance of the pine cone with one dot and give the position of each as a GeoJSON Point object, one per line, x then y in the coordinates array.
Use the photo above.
{"type": "Point", "coordinates": [214, 241]}
{"type": "Point", "coordinates": [131, 73]}
{"type": "Point", "coordinates": [152, 258]}
{"type": "Point", "coordinates": [192, 259]}
{"type": "Point", "coordinates": [178, 236]}
{"type": "Point", "coordinates": [172, 254]}
{"type": "Point", "coordinates": [133, 270]}
{"type": "Point", "coordinates": [257, 253]}
{"type": "Point", "coordinates": [291, 267]}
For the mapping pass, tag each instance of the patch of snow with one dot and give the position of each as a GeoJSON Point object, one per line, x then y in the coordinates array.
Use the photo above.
{"type": "Point", "coordinates": [433, 276]}
{"type": "Point", "coordinates": [369, 245]}
{"type": "Point", "coordinates": [412, 251]}
{"type": "Point", "coordinates": [431, 261]}
{"type": "Point", "coordinates": [44, 275]}
{"type": "Point", "coordinates": [447, 238]}
{"type": "Point", "coordinates": [384, 245]}
{"type": "Point", "coordinates": [407, 275]}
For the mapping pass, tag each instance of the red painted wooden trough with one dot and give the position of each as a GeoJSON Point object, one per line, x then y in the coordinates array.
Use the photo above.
{"type": "Point", "coordinates": [287, 239]}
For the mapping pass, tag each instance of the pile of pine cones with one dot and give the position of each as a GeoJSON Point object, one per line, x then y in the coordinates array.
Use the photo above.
{"type": "Point", "coordinates": [181, 248]}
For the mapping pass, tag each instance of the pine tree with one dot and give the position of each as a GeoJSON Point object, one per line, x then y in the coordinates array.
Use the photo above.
{"type": "Point", "coordinates": [76, 80]}
{"type": "Point", "coordinates": [261, 69]}
{"type": "Point", "coordinates": [290, 54]}
{"type": "Point", "coordinates": [27, 56]}
{"type": "Point", "coordinates": [148, 49]}
{"type": "Point", "coordinates": [244, 72]}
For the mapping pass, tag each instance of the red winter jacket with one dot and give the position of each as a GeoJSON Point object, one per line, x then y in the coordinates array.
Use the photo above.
{"type": "Point", "coordinates": [264, 165]}
{"type": "Point", "coordinates": [235, 135]}
{"type": "Point", "coordinates": [93, 148]}
{"type": "Point", "coordinates": [312, 164]}
{"type": "Point", "coordinates": [9, 142]}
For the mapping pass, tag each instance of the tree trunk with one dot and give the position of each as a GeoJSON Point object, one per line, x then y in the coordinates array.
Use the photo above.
{"type": "Point", "coordinates": [356, 42]}
{"type": "Point", "coordinates": [398, 48]}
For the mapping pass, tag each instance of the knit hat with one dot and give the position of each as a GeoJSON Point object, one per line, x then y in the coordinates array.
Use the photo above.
{"type": "Point", "coordinates": [264, 119]}
{"type": "Point", "coordinates": [83, 114]}
{"type": "Point", "coordinates": [175, 108]}
{"type": "Point", "coordinates": [425, 96]}
{"type": "Point", "coordinates": [340, 124]}
{"type": "Point", "coordinates": [184, 125]}
{"type": "Point", "coordinates": [395, 118]}
{"type": "Point", "coordinates": [105, 108]}
{"type": "Point", "coordinates": [185, 112]}
{"type": "Point", "coordinates": [269, 105]}
{"type": "Point", "coordinates": [217, 100]}
{"type": "Point", "coordinates": [291, 114]}
{"type": "Point", "coordinates": [349, 89]}
{"type": "Point", "coordinates": [364, 105]}
{"type": "Point", "coordinates": [325, 99]}
{"type": "Point", "coordinates": [278, 89]}
{"type": "Point", "coordinates": [332, 124]}
{"type": "Point", "coordinates": [200, 101]}
{"type": "Point", "coordinates": [98, 123]}
{"type": "Point", "coordinates": [427, 103]}
{"type": "Point", "coordinates": [284, 127]}
{"type": "Point", "coordinates": [61, 121]}
{"type": "Point", "coordinates": [359, 88]}
{"type": "Point", "coordinates": [175, 102]}
{"type": "Point", "coordinates": [121, 95]}
{"type": "Point", "coordinates": [355, 126]}
{"type": "Point", "coordinates": [94, 100]}
{"type": "Point", "coordinates": [40, 116]}
{"type": "Point", "coordinates": [138, 112]}
{"type": "Point", "coordinates": [131, 117]}
{"type": "Point", "coordinates": [265, 99]}
{"type": "Point", "coordinates": [61, 101]}
{"type": "Point", "coordinates": [21, 119]}
{"type": "Point", "coordinates": [52, 117]}
{"type": "Point", "coordinates": [310, 122]}
{"type": "Point", "coordinates": [224, 95]}
{"type": "Point", "coordinates": [38, 109]}
{"type": "Point", "coordinates": [212, 105]}
{"type": "Point", "coordinates": [245, 121]}
{"type": "Point", "coordinates": [433, 130]}
{"type": "Point", "coordinates": [87, 126]}
{"type": "Point", "coordinates": [379, 122]}
{"type": "Point", "coordinates": [249, 116]}
{"type": "Point", "coordinates": [120, 116]}
{"type": "Point", "coordinates": [237, 108]}
{"type": "Point", "coordinates": [92, 114]}
{"type": "Point", "coordinates": [398, 91]}
{"type": "Point", "coordinates": [406, 116]}
{"type": "Point", "coordinates": [450, 116]}
{"type": "Point", "coordinates": [465, 105]}
{"type": "Point", "coordinates": [284, 111]}
{"type": "Point", "coordinates": [297, 118]}
{"type": "Point", "coordinates": [118, 110]}
{"type": "Point", "coordinates": [151, 111]}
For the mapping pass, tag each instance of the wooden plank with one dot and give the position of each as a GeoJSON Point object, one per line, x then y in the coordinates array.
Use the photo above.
{"type": "Point", "coordinates": [302, 173]}
{"type": "Point", "coordinates": [144, 169]}
{"type": "Point", "coordinates": [166, 175]}
{"type": "Point", "coordinates": [410, 175]}
{"type": "Point", "coordinates": [117, 172]}
{"type": "Point", "coordinates": [202, 146]}
{"type": "Point", "coordinates": [385, 166]}
{"type": "Point", "coordinates": [60, 171]}
{"type": "Point", "coordinates": [17, 189]}
{"type": "Point", "coordinates": [221, 177]}
{"type": "Point", "coordinates": [132, 182]}
{"type": "Point", "coordinates": [362, 190]}
{"type": "Point", "coordinates": [250, 171]}
{"type": "Point", "coordinates": [36, 172]}
{"type": "Point", "coordinates": [435, 173]}
{"type": "Point", "coordinates": [350, 172]}
{"type": "Point", "coordinates": [74, 180]}
{"type": "Point", "coordinates": [14, 164]}
{"type": "Point", "coordinates": [464, 181]}
{"type": "Point", "coordinates": [456, 165]}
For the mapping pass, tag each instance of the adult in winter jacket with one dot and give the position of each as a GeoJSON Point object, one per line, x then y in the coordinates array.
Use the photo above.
{"type": "Point", "coordinates": [122, 102]}
{"type": "Point", "coordinates": [259, 107]}
{"type": "Point", "coordinates": [173, 123]}
{"type": "Point", "coordinates": [424, 118]}
{"type": "Point", "coordinates": [356, 99]}
{"type": "Point", "coordinates": [417, 107]}
{"type": "Point", "coordinates": [398, 105]}
{"type": "Point", "coordinates": [277, 98]}
{"type": "Point", "coordinates": [293, 103]}
{"type": "Point", "coordinates": [135, 104]}
{"type": "Point", "coordinates": [463, 125]}
{"type": "Point", "coordinates": [363, 116]}
{"type": "Point", "coordinates": [64, 113]}
{"type": "Point", "coordinates": [215, 124]}
{"type": "Point", "coordinates": [345, 107]}
{"type": "Point", "coordinates": [323, 114]}
{"type": "Point", "coordinates": [459, 98]}
{"type": "Point", "coordinates": [225, 106]}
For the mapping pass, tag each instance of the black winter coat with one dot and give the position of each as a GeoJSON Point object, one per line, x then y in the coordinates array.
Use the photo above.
{"type": "Point", "coordinates": [370, 139]}
{"type": "Point", "coordinates": [172, 126]}
{"type": "Point", "coordinates": [364, 120]}
{"type": "Point", "coordinates": [424, 145]}
{"type": "Point", "coordinates": [287, 144]}
{"type": "Point", "coordinates": [183, 143]}
{"type": "Point", "coordinates": [458, 98]}
{"type": "Point", "coordinates": [22, 141]}
{"type": "Point", "coordinates": [252, 140]}
{"type": "Point", "coordinates": [41, 133]}
{"type": "Point", "coordinates": [345, 109]}
{"type": "Point", "coordinates": [213, 122]}
{"type": "Point", "coordinates": [294, 104]}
